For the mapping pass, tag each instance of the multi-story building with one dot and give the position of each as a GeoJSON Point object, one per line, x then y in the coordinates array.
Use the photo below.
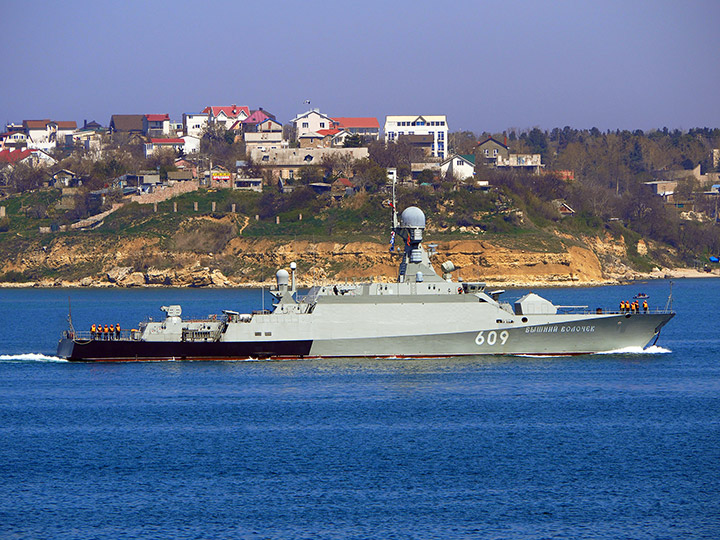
{"type": "Point", "coordinates": [493, 153]}
{"type": "Point", "coordinates": [311, 121]}
{"type": "Point", "coordinates": [195, 123]}
{"type": "Point", "coordinates": [44, 134]}
{"type": "Point", "coordinates": [156, 125]}
{"type": "Point", "coordinates": [226, 116]}
{"type": "Point", "coordinates": [286, 163]}
{"type": "Point", "coordinates": [433, 125]}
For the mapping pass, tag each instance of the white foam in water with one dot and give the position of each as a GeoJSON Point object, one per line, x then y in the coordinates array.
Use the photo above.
{"type": "Point", "coordinates": [30, 357]}
{"type": "Point", "coordinates": [653, 349]}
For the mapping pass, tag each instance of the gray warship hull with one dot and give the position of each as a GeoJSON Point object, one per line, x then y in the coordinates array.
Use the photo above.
{"type": "Point", "coordinates": [458, 325]}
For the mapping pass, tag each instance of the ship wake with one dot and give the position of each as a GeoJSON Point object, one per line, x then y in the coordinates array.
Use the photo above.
{"type": "Point", "coordinates": [30, 357]}
{"type": "Point", "coordinates": [653, 349]}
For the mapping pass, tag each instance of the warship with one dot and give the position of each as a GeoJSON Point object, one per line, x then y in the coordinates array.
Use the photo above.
{"type": "Point", "coordinates": [421, 314]}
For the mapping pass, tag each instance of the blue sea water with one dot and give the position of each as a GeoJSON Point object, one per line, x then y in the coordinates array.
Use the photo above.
{"type": "Point", "coordinates": [605, 446]}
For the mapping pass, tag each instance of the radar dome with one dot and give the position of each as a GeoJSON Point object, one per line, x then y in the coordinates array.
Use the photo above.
{"type": "Point", "coordinates": [282, 277]}
{"type": "Point", "coordinates": [412, 216]}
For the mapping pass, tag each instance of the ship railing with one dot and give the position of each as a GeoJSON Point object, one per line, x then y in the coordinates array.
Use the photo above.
{"type": "Point", "coordinates": [87, 335]}
{"type": "Point", "coordinates": [586, 310]}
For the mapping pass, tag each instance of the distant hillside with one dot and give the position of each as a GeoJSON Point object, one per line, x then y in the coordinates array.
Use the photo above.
{"type": "Point", "coordinates": [496, 236]}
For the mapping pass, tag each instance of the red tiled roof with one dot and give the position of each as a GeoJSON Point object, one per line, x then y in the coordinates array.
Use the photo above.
{"type": "Point", "coordinates": [7, 156]}
{"type": "Point", "coordinates": [326, 132]}
{"type": "Point", "coordinates": [256, 117]}
{"type": "Point", "coordinates": [157, 117]}
{"type": "Point", "coordinates": [167, 141]}
{"type": "Point", "coordinates": [346, 182]}
{"type": "Point", "coordinates": [357, 122]}
{"type": "Point", "coordinates": [35, 124]}
{"type": "Point", "coordinates": [231, 111]}
{"type": "Point", "coordinates": [42, 124]}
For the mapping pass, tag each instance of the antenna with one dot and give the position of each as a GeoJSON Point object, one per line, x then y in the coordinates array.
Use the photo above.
{"type": "Point", "coordinates": [668, 305]}
{"type": "Point", "coordinates": [394, 204]}
{"type": "Point", "coordinates": [70, 323]}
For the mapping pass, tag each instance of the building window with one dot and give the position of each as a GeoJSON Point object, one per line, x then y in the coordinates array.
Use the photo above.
{"type": "Point", "coordinates": [291, 174]}
{"type": "Point", "coordinates": [487, 152]}
{"type": "Point", "coordinates": [441, 135]}
{"type": "Point", "coordinates": [494, 151]}
{"type": "Point", "coordinates": [305, 125]}
{"type": "Point", "coordinates": [322, 124]}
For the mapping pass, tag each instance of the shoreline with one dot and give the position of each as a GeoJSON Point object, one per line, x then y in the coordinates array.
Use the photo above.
{"type": "Point", "coordinates": [667, 273]}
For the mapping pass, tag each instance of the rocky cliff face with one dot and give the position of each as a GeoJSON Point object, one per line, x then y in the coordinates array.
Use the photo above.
{"type": "Point", "coordinates": [144, 262]}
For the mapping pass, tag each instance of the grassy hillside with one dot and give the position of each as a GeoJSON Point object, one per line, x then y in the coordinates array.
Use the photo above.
{"type": "Point", "coordinates": [498, 216]}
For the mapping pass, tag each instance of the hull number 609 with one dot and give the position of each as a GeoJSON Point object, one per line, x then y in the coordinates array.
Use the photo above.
{"type": "Point", "coordinates": [492, 337]}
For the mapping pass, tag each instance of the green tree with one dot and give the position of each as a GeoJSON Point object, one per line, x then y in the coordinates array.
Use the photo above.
{"type": "Point", "coordinates": [538, 143]}
{"type": "Point", "coordinates": [353, 141]}
{"type": "Point", "coordinates": [462, 142]}
{"type": "Point", "coordinates": [369, 175]}
{"type": "Point", "coordinates": [311, 174]}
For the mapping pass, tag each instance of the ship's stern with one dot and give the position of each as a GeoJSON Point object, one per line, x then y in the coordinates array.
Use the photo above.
{"type": "Point", "coordinates": [65, 347]}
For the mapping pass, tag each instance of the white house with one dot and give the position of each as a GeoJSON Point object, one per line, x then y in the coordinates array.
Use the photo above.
{"type": "Point", "coordinates": [226, 115]}
{"type": "Point", "coordinates": [433, 125]}
{"type": "Point", "coordinates": [88, 140]}
{"type": "Point", "coordinates": [29, 156]}
{"type": "Point", "coordinates": [156, 145]}
{"type": "Point", "coordinates": [311, 121]}
{"type": "Point", "coordinates": [195, 123]}
{"type": "Point", "coordinates": [13, 139]}
{"type": "Point", "coordinates": [460, 166]}
{"type": "Point", "coordinates": [263, 140]}
{"type": "Point", "coordinates": [532, 162]}
{"type": "Point", "coordinates": [192, 144]}
{"type": "Point", "coordinates": [44, 134]}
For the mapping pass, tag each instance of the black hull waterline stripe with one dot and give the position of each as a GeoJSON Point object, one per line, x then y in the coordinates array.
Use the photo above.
{"type": "Point", "coordinates": [151, 350]}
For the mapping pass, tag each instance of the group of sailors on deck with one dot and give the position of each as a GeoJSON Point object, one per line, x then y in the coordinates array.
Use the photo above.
{"type": "Point", "coordinates": [633, 307]}
{"type": "Point", "coordinates": [105, 332]}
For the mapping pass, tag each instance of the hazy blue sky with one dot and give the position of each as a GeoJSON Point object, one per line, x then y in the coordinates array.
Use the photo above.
{"type": "Point", "coordinates": [488, 65]}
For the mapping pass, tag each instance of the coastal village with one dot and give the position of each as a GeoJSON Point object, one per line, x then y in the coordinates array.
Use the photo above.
{"type": "Point", "coordinates": [152, 160]}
